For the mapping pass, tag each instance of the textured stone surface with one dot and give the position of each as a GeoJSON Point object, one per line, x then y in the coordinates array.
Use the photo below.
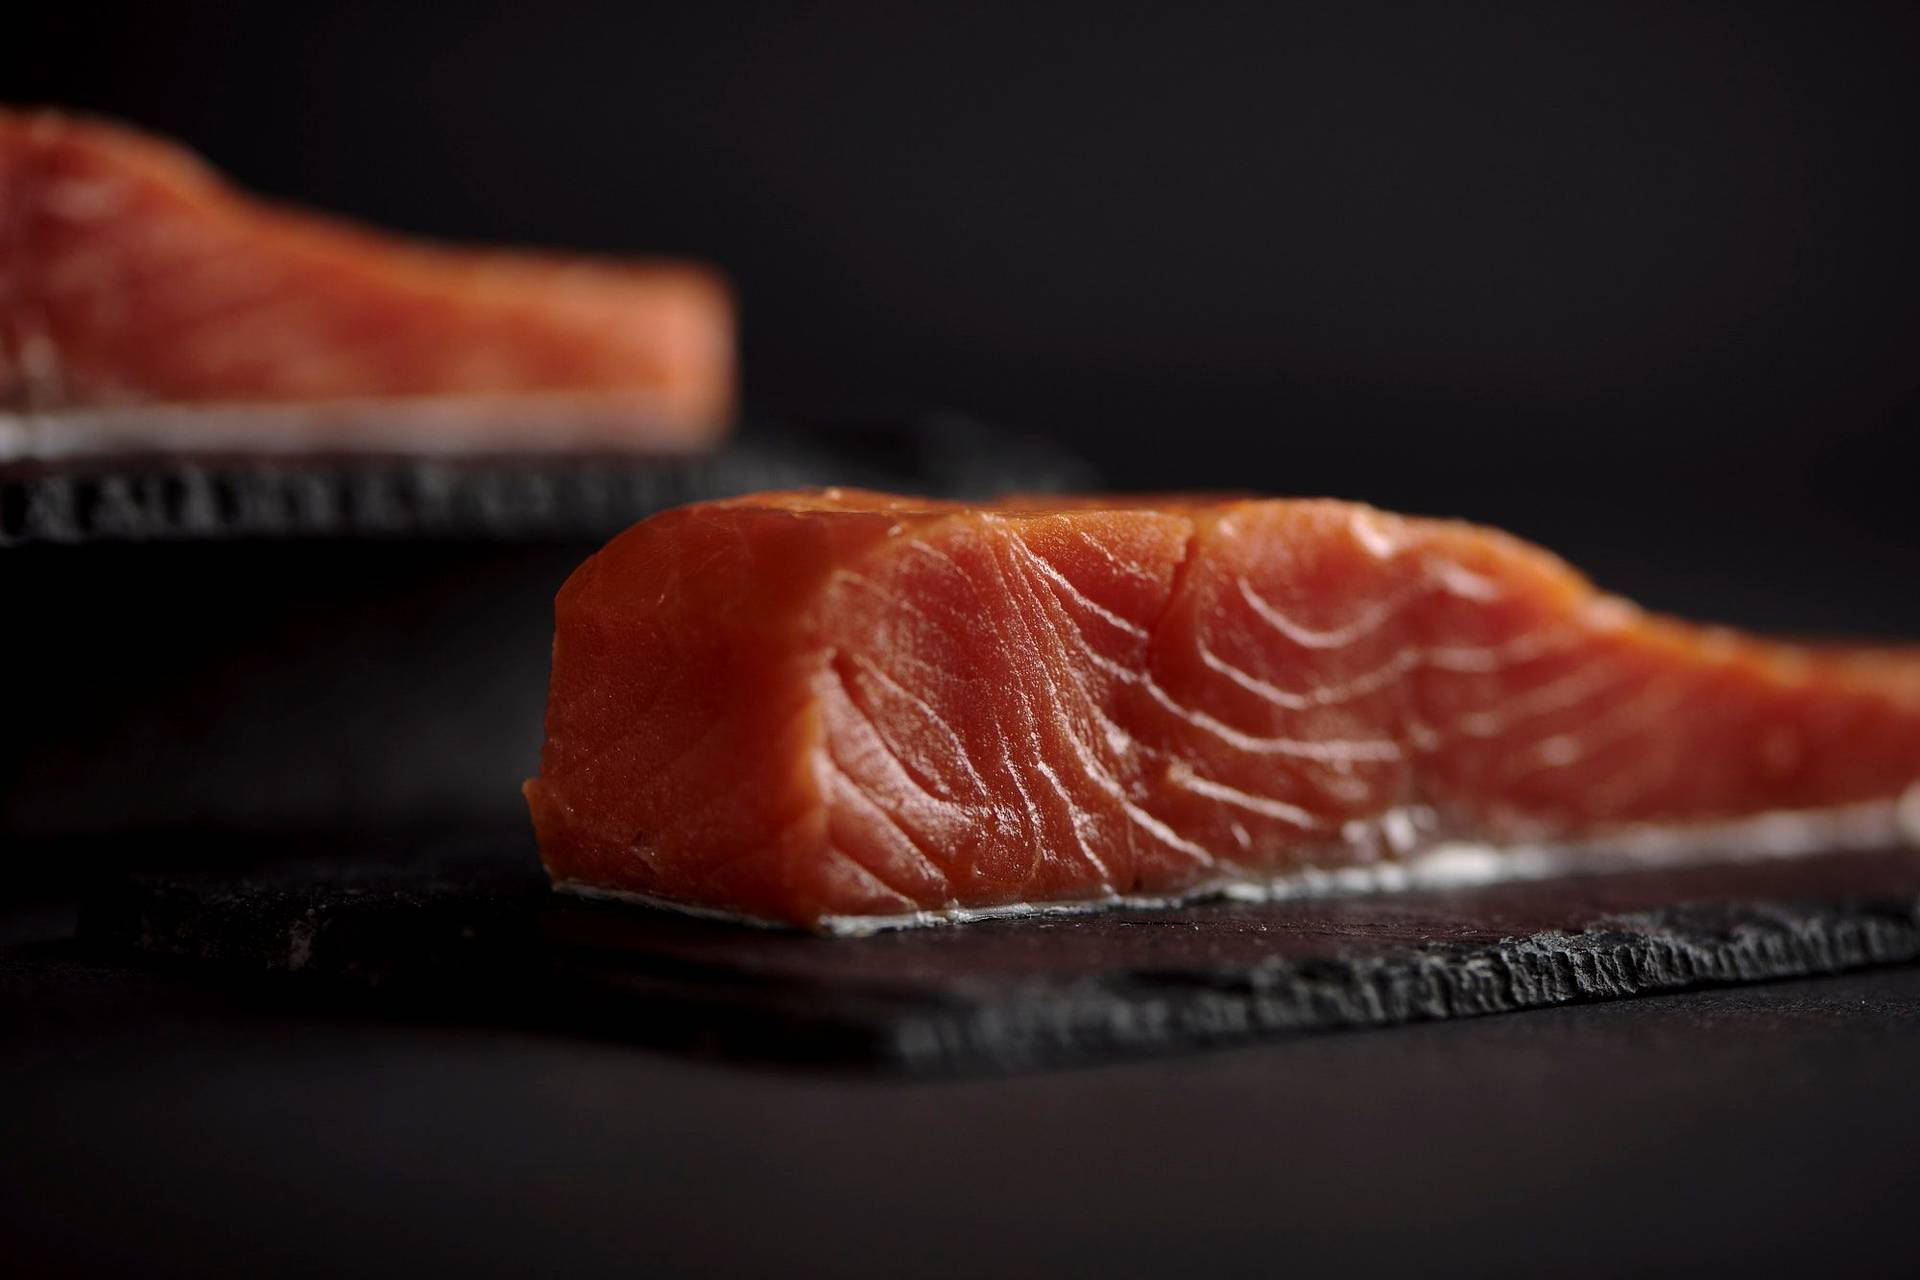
{"type": "Point", "coordinates": [281, 496]}
{"type": "Point", "coordinates": [470, 933]}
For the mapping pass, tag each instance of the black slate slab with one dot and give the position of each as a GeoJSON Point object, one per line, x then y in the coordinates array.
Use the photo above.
{"type": "Point", "coordinates": [519, 497]}
{"type": "Point", "coordinates": [470, 932]}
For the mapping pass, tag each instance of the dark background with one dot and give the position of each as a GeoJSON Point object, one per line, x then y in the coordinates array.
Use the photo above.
{"type": "Point", "coordinates": [1638, 281]}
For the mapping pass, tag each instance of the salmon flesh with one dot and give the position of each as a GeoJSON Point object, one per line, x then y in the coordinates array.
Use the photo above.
{"type": "Point", "coordinates": [131, 274]}
{"type": "Point", "coordinates": [844, 710]}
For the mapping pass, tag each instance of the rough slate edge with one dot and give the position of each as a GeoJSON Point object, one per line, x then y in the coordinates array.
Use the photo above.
{"type": "Point", "coordinates": [1661, 951]}
{"type": "Point", "coordinates": [473, 936]}
{"type": "Point", "coordinates": [185, 498]}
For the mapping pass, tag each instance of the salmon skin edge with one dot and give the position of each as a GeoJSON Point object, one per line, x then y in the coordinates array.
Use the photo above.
{"type": "Point", "coordinates": [1454, 865]}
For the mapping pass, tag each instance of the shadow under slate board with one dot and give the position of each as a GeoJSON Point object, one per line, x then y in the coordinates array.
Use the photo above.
{"type": "Point", "coordinates": [469, 932]}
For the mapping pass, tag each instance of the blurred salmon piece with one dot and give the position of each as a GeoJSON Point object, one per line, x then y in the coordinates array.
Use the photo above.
{"type": "Point", "coordinates": [131, 274]}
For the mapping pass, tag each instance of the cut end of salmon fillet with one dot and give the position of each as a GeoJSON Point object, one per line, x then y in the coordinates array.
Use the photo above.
{"type": "Point", "coordinates": [843, 709]}
{"type": "Point", "coordinates": [130, 274]}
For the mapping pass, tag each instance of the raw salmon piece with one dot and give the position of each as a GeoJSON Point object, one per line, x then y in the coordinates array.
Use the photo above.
{"type": "Point", "coordinates": [129, 272]}
{"type": "Point", "coordinates": [838, 708]}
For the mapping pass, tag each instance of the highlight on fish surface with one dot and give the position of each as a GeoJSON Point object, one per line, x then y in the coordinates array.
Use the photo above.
{"type": "Point", "coordinates": [840, 709]}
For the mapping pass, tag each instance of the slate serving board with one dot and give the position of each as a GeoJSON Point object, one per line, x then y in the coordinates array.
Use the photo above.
{"type": "Point", "coordinates": [520, 497]}
{"type": "Point", "coordinates": [468, 931]}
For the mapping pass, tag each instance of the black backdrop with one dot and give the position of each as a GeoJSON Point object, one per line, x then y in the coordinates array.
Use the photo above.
{"type": "Point", "coordinates": [1636, 280]}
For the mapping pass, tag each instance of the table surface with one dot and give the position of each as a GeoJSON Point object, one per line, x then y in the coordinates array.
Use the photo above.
{"type": "Point", "coordinates": [161, 1125]}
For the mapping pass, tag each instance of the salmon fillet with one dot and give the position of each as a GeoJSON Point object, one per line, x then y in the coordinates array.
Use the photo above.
{"type": "Point", "coordinates": [130, 273]}
{"type": "Point", "coordinates": [838, 709]}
